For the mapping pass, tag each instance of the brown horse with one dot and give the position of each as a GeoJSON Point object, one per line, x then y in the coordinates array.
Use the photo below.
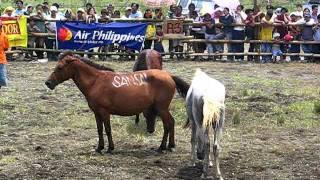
{"type": "Point", "coordinates": [124, 94]}
{"type": "Point", "coordinates": [147, 59]}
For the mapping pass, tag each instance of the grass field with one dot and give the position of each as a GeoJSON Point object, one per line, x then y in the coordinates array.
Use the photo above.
{"type": "Point", "coordinates": [272, 128]}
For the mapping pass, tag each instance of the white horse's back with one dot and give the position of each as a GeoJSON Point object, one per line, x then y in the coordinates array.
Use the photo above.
{"type": "Point", "coordinates": [202, 84]}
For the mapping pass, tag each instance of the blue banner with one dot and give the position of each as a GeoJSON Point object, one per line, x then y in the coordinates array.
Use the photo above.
{"type": "Point", "coordinates": [82, 36]}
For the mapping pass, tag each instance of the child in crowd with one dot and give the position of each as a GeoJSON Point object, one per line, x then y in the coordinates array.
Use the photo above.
{"type": "Point", "coordinates": [276, 51]}
{"type": "Point", "coordinates": [158, 43]}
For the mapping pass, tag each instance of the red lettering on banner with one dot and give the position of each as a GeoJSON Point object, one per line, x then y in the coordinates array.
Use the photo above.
{"type": "Point", "coordinates": [173, 27]}
{"type": "Point", "coordinates": [11, 28]}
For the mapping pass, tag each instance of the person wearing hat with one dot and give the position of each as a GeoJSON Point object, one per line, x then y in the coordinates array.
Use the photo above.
{"type": "Point", "coordinates": [127, 13]}
{"type": "Point", "coordinates": [8, 12]}
{"type": "Point", "coordinates": [4, 45]}
{"type": "Point", "coordinates": [20, 9]}
{"type": "Point", "coordinates": [51, 28]}
{"type": "Point", "coordinates": [81, 15]}
{"type": "Point", "coordinates": [29, 10]}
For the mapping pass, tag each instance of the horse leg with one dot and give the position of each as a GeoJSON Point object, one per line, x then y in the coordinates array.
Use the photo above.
{"type": "Point", "coordinates": [193, 144]}
{"type": "Point", "coordinates": [137, 119]}
{"type": "Point", "coordinates": [150, 116]}
{"type": "Point", "coordinates": [168, 129]}
{"type": "Point", "coordinates": [100, 145]}
{"type": "Point", "coordinates": [216, 146]}
{"type": "Point", "coordinates": [206, 154]}
{"type": "Point", "coordinates": [107, 127]}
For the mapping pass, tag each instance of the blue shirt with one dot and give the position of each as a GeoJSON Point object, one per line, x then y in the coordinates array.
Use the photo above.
{"type": "Point", "coordinates": [18, 12]}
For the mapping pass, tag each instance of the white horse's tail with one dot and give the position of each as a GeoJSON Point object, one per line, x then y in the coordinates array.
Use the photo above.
{"type": "Point", "coordinates": [211, 112]}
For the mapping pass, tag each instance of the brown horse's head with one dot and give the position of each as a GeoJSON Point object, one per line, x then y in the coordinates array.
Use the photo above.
{"type": "Point", "coordinates": [62, 71]}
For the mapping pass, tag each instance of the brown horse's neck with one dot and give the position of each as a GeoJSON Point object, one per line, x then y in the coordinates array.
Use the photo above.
{"type": "Point", "coordinates": [84, 76]}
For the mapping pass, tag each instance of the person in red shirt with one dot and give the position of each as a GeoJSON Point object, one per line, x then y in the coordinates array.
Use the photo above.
{"type": "Point", "coordinates": [4, 45]}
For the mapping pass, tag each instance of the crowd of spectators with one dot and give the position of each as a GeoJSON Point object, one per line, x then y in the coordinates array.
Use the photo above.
{"type": "Point", "coordinates": [241, 24]}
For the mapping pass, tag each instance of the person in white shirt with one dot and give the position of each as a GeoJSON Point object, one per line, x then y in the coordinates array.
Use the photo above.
{"type": "Point", "coordinates": [127, 13]}
{"type": "Point", "coordinates": [135, 13]}
{"type": "Point", "coordinates": [51, 28]}
{"type": "Point", "coordinates": [238, 31]}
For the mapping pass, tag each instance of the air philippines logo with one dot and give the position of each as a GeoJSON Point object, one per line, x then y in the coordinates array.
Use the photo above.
{"type": "Point", "coordinates": [64, 34]}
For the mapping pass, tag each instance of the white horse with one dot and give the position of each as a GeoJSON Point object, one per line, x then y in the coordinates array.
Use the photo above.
{"type": "Point", "coordinates": [206, 113]}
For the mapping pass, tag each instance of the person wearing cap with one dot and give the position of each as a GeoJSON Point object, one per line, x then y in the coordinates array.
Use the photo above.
{"type": "Point", "coordinates": [51, 28]}
{"type": "Point", "coordinates": [8, 12]}
{"type": "Point", "coordinates": [59, 14]}
{"type": "Point", "coordinates": [307, 34]}
{"type": "Point", "coordinates": [29, 10]}
{"type": "Point", "coordinates": [4, 45]}
{"type": "Point", "coordinates": [127, 13]}
{"type": "Point", "coordinates": [81, 15]}
{"type": "Point", "coordinates": [20, 9]}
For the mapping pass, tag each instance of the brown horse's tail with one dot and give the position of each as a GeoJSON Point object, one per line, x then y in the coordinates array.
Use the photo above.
{"type": "Point", "coordinates": [181, 85]}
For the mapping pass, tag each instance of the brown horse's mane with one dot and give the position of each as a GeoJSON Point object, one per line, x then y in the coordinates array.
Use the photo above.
{"type": "Point", "coordinates": [85, 60]}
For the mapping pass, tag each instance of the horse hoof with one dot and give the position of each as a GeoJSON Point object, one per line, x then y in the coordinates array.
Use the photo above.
{"type": "Point", "coordinates": [205, 177]}
{"type": "Point", "coordinates": [171, 149]}
{"type": "Point", "coordinates": [161, 149]}
{"type": "Point", "coordinates": [109, 151]}
{"type": "Point", "coordinates": [98, 151]}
